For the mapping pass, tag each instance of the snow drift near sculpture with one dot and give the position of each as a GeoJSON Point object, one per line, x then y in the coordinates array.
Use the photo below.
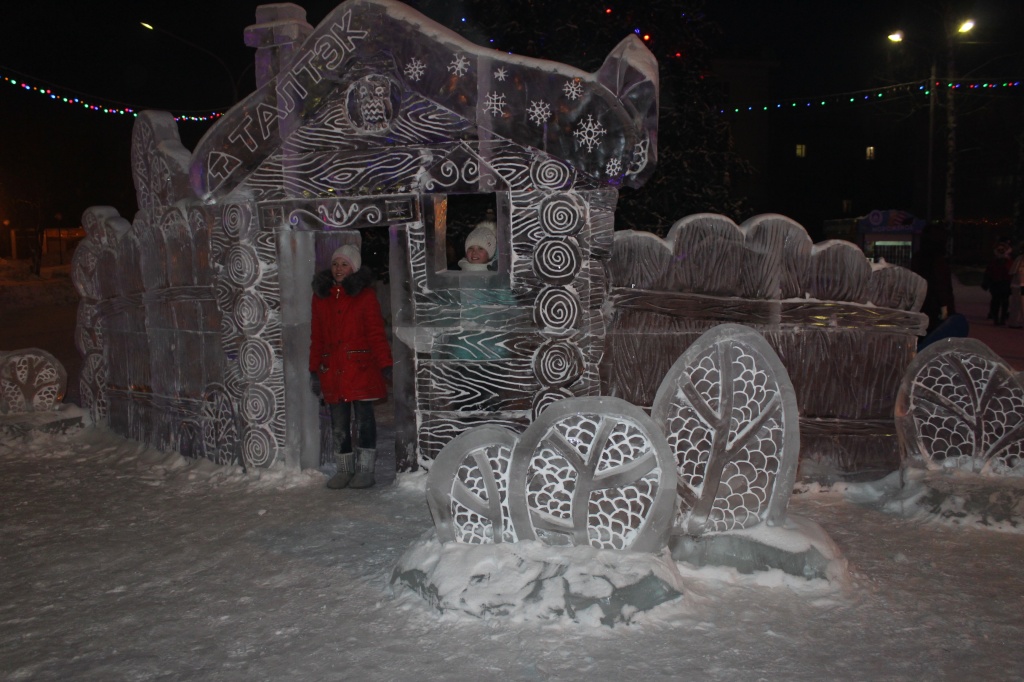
{"type": "Point", "coordinates": [715, 462]}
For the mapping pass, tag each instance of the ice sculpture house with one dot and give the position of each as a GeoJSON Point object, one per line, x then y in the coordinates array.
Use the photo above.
{"type": "Point", "coordinates": [194, 320]}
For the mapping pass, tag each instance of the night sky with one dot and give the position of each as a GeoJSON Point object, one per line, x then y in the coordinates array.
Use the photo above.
{"type": "Point", "coordinates": [59, 159]}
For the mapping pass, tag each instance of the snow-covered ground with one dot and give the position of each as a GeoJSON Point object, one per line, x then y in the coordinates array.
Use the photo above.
{"type": "Point", "coordinates": [120, 562]}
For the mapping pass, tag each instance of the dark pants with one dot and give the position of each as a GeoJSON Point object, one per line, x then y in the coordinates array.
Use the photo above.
{"type": "Point", "coordinates": [999, 308]}
{"type": "Point", "coordinates": [341, 425]}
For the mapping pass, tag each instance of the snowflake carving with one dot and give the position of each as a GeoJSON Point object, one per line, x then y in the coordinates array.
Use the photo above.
{"type": "Point", "coordinates": [613, 167]}
{"type": "Point", "coordinates": [573, 89]}
{"type": "Point", "coordinates": [495, 104]}
{"type": "Point", "coordinates": [459, 65]}
{"type": "Point", "coordinates": [539, 112]}
{"type": "Point", "coordinates": [415, 69]}
{"type": "Point", "coordinates": [589, 133]}
{"type": "Point", "coordinates": [501, 74]}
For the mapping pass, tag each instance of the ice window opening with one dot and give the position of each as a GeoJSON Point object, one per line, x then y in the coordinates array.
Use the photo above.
{"type": "Point", "coordinates": [466, 235]}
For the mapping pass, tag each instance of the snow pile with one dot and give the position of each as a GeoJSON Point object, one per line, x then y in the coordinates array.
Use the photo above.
{"type": "Point", "coordinates": [950, 497]}
{"type": "Point", "coordinates": [529, 580]}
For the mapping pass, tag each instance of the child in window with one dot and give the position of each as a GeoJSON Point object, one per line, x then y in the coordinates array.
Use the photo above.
{"type": "Point", "coordinates": [480, 247]}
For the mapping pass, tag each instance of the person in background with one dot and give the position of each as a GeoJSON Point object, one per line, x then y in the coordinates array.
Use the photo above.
{"type": "Point", "coordinates": [349, 362]}
{"type": "Point", "coordinates": [997, 282]}
{"type": "Point", "coordinates": [480, 247]}
{"type": "Point", "coordinates": [1016, 320]}
{"type": "Point", "coordinates": [930, 263]}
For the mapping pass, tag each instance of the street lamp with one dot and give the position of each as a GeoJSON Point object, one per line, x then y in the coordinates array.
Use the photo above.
{"type": "Point", "coordinates": [227, 70]}
{"type": "Point", "coordinates": [933, 84]}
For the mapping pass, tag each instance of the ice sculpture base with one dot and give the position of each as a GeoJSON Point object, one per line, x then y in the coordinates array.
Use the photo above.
{"type": "Point", "coordinates": [530, 581]}
{"type": "Point", "coordinates": [958, 499]}
{"type": "Point", "coordinates": [65, 418]}
{"type": "Point", "coordinates": [799, 547]}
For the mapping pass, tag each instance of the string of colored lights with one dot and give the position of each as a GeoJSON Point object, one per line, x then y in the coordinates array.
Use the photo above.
{"type": "Point", "coordinates": [859, 96]}
{"type": "Point", "coordinates": [114, 109]}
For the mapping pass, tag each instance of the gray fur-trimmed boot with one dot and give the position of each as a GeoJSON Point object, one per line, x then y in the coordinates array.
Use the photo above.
{"type": "Point", "coordinates": [365, 461]}
{"type": "Point", "coordinates": [346, 470]}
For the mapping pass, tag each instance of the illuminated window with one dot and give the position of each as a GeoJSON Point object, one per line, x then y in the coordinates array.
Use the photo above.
{"type": "Point", "coordinates": [801, 151]}
{"type": "Point", "coordinates": [869, 154]}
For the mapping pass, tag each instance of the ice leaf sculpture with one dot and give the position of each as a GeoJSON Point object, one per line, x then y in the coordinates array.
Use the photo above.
{"type": "Point", "coordinates": [961, 406]}
{"type": "Point", "coordinates": [467, 489]}
{"type": "Point", "coordinates": [730, 416]}
{"type": "Point", "coordinates": [31, 380]}
{"type": "Point", "coordinates": [593, 471]}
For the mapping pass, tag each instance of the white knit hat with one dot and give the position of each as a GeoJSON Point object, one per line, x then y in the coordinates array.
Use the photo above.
{"type": "Point", "coordinates": [349, 253]}
{"type": "Point", "coordinates": [483, 236]}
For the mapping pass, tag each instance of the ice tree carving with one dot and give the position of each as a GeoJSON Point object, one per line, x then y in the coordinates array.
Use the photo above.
{"type": "Point", "coordinates": [31, 380]}
{"type": "Point", "coordinates": [960, 406]}
{"type": "Point", "coordinates": [729, 412]}
{"type": "Point", "coordinates": [467, 491]}
{"type": "Point", "coordinates": [589, 471]}
{"type": "Point", "coordinates": [593, 471]}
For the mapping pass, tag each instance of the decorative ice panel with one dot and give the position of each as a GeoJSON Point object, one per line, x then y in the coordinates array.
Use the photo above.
{"type": "Point", "coordinates": [593, 471]}
{"type": "Point", "coordinates": [467, 490]}
{"type": "Point", "coordinates": [31, 380]}
{"type": "Point", "coordinates": [729, 412]}
{"type": "Point", "coordinates": [588, 471]}
{"type": "Point", "coordinates": [960, 406]}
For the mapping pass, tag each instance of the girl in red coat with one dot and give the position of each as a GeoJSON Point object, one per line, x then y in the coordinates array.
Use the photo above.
{"type": "Point", "coordinates": [348, 358]}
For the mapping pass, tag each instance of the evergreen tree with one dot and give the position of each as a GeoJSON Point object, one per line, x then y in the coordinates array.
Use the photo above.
{"type": "Point", "coordinates": [695, 160]}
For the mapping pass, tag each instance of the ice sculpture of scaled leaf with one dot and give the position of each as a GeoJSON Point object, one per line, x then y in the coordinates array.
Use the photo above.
{"type": "Point", "coordinates": [730, 415]}
{"type": "Point", "coordinates": [467, 490]}
{"type": "Point", "coordinates": [961, 406]}
{"type": "Point", "coordinates": [593, 471]}
{"type": "Point", "coordinates": [31, 380]}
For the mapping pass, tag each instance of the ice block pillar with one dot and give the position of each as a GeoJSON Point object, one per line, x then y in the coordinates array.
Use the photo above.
{"type": "Point", "coordinates": [279, 31]}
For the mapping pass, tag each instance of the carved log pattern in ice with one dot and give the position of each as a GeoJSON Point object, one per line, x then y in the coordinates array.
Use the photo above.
{"type": "Point", "coordinates": [593, 471]}
{"type": "Point", "coordinates": [31, 380]}
{"type": "Point", "coordinates": [244, 258]}
{"type": "Point", "coordinates": [961, 406]}
{"type": "Point", "coordinates": [467, 488]}
{"type": "Point", "coordinates": [730, 419]}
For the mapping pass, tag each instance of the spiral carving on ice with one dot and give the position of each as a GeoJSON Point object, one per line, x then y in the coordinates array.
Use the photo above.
{"type": "Point", "coordinates": [557, 261]}
{"type": "Point", "coordinates": [558, 363]}
{"type": "Point", "coordinates": [250, 312]}
{"type": "Point", "coordinates": [243, 265]}
{"type": "Point", "coordinates": [256, 359]}
{"type": "Point", "coordinates": [557, 308]}
{"type": "Point", "coordinates": [562, 214]}
{"type": "Point", "coordinates": [258, 446]}
{"type": "Point", "coordinates": [550, 174]}
{"type": "Point", "coordinates": [235, 220]}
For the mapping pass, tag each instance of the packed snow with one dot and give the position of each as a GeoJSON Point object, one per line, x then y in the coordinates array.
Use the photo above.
{"type": "Point", "coordinates": [121, 562]}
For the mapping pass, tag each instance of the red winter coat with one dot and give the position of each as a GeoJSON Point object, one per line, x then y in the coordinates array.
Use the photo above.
{"type": "Point", "coordinates": [348, 347]}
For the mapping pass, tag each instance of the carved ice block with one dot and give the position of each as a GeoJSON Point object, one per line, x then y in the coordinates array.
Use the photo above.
{"type": "Point", "coordinates": [595, 471]}
{"type": "Point", "coordinates": [467, 489]}
{"type": "Point", "coordinates": [960, 406]}
{"type": "Point", "coordinates": [730, 416]}
{"type": "Point", "coordinates": [31, 380]}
